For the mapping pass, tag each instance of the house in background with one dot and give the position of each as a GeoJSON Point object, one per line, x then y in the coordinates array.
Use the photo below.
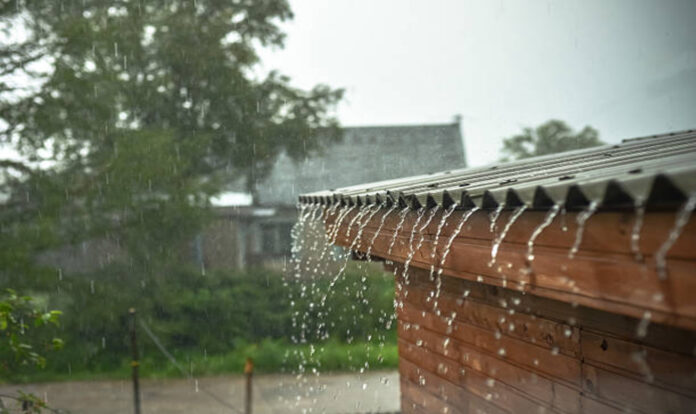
{"type": "Point", "coordinates": [250, 232]}
{"type": "Point", "coordinates": [257, 232]}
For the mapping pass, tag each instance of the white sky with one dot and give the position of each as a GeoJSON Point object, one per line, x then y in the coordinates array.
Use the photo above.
{"type": "Point", "coordinates": [627, 68]}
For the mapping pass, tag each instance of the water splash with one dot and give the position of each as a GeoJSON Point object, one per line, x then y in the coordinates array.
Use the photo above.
{"type": "Point", "coordinates": [498, 240]}
{"type": "Point", "coordinates": [402, 218]}
{"type": "Point", "coordinates": [681, 220]}
{"type": "Point", "coordinates": [582, 220]}
{"type": "Point", "coordinates": [445, 253]}
{"type": "Point", "coordinates": [635, 231]}
{"type": "Point", "coordinates": [548, 219]}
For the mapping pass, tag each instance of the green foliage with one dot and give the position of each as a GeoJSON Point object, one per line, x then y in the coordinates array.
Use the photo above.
{"type": "Point", "coordinates": [146, 110]}
{"type": "Point", "coordinates": [549, 138]}
{"type": "Point", "coordinates": [221, 316]}
{"type": "Point", "coordinates": [23, 342]}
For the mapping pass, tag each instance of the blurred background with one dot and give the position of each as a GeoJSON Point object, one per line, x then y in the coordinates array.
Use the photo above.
{"type": "Point", "coordinates": [152, 153]}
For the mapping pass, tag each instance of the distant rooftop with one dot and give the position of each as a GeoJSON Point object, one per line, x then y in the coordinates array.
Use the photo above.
{"type": "Point", "coordinates": [655, 170]}
{"type": "Point", "coordinates": [366, 153]}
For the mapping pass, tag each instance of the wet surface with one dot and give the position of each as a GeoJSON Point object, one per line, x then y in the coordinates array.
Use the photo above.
{"type": "Point", "coordinates": [374, 392]}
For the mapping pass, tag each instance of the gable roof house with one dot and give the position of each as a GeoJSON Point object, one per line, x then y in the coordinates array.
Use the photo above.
{"type": "Point", "coordinates": [259, 234]}
{"type": "Point", "coordinates": [558, 284]}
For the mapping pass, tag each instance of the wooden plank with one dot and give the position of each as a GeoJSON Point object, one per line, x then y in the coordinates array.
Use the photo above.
{"type": "Point", "coordinates": [533, 357]}
{"type": "Point", "coordinates": [632, 290]}
{"type": "Point", "coordinates": [658, 336]}
{"type": "Point", "coordinates": [633, 394]}
{"type": "Point", "coordinates": [643, 363]}
{"type": "Point", "coordinates": [527, 382]}
{"type": "Point", "coordinates": [497, 393]}
{"type": "Point", "coordinates": [443, 389]}
{"type": "Point", "coordinates": [425, 401]}
{"type": "Point", "coordinates": [543, 332]}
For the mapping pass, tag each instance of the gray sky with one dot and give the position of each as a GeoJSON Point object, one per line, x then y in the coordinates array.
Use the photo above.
{"type": "Point", "coordinates": [627, 68]}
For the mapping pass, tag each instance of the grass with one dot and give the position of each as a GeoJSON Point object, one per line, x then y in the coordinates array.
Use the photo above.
{"type": "Point", "coordinates": [270, 356]}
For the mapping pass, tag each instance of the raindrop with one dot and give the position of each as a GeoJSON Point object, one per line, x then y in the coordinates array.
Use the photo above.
{"type": "Point", "coordinates": [642, 327]}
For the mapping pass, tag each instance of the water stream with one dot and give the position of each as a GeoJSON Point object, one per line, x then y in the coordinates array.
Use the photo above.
{"type": "Point", "coordinates": [379, 229]}
{"type": "Point", "coordinates": [680, 221]}
{"type": "Point", "coordinates": [635, 230]}
{"type": "Point", "coordinates": [582, 221]}
{"type": "Point", "coordinates": [440, 226]}
{"type": "Point", "coordinates": [402, 218]}
{"type": "Point", "coordinates": [448, 247]}
{"type": "Point", "coordinates": [412, 249]}
{"type": "Point", "coordinates": [548, 219]}
{"type": "Point", "coordinates": [498, 240]}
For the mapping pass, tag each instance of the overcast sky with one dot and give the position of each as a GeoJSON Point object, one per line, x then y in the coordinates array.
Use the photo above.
{"type": "Point", "coordinates": [627, 68]}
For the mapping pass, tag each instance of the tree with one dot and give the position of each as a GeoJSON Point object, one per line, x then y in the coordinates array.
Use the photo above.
{"type": "Point", "coordinates": [127, 116]}
{"type": "Point", "coordinates": [549, 138]}
{"type": "Point", "coordinates": [146, 109]}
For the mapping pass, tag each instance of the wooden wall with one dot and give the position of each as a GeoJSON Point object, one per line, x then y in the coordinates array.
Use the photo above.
{"type": "Point", "coordinates": [486, 349]}
{"type": "Point", "coordinates": [600, 332]}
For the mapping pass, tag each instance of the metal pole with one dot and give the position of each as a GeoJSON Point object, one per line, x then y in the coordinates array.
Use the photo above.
{"type": "Point", "coordinates": [249, 372]}
{"type": "Point", "coordinates": [135, 363]}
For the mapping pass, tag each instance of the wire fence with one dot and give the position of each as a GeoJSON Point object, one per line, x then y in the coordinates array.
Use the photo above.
{"type": "Point", "coordinates": [187, 374]}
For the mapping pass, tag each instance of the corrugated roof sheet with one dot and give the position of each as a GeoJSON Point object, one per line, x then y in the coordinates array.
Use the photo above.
{"type": "Point", "coordinates": [658, 170]}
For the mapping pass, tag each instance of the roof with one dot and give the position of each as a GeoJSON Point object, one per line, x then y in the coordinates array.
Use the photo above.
{"type": "Point", "coordinates": [658, 170]}
{"type": "Point", "coordinates": [365, 153]}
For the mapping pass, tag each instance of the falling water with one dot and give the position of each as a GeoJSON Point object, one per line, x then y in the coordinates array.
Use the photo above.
{"type": "Point", "coordinates": [445, 253]}
{"type": "Point", "coordinates": [353, 244]}
{"type": "Point", "coordinates": [419, 216]}
{"type": "Point", "coordinates": [494, 216]}
{"type": "Point", "coordinates": [635, 231]}
{"type": "Point", "coordinates": [412, 249]}
{"type": "Point", "coordinates": [681, 220]}
{"type": "Point", "coordinates": [539, 229]}
{"type": "Point", "coordinates": [440, 226]}
{"type": "Point", "coordinates": [498, 240]}
{"type": "Point", "coordinates": [402, 218]}
{"type": "Point", "coordinates": [381, 225]}
{"type": "Point", "coordinates": [581, 220]}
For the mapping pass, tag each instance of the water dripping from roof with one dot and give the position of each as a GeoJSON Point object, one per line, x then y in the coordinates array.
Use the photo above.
{"type": "Point", "coordinates": [548, 219]}
{"type": "Point", "coordinates": [440, 226]}
{"type": "Point", "coordinates": [635, 230]}
{"type": "Point", "coordinates": [402, 218]}
{"type": "Point", "coordinates": [681, 220]}
{"type": "Point", "coordinates": [379, 229]}
{"type": "Point", "coordinates": [498, 240]}
{"type": "Point", "coordinates": [493, 217]}
{"type": "Point", "coordinates": [582, 220]}
{"type": "Point", "coordinates": [448, 247]}
{"type": "Point", "coordinates": [412, 249]}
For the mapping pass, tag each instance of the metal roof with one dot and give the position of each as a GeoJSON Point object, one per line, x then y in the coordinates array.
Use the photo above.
{"type": "Point", "coordinates": [658, 170]}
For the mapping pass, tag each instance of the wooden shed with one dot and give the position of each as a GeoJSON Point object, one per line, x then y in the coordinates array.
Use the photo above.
{"type": "Point", "coordinates": [557, 284]}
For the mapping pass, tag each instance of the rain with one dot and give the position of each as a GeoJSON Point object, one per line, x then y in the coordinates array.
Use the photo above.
{"type": "Point", "coordinates": [347, 207]}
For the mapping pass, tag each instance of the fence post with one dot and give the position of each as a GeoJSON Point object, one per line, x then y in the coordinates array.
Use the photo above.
{"type": "Point", "coordinates": [249, 372]}
{"type": "Point", "coordinates": [135, 363]}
